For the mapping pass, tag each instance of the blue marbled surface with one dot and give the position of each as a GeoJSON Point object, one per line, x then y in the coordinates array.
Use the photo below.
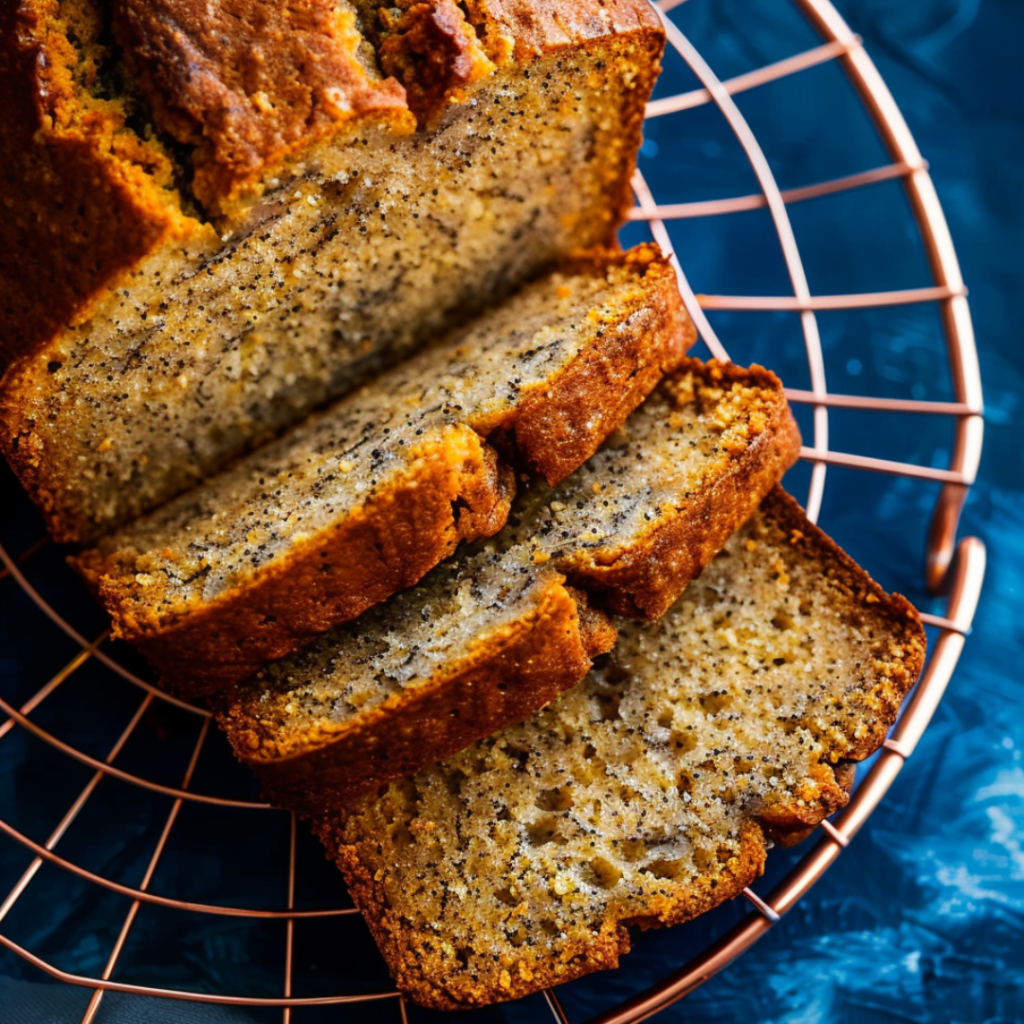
{"type": "Point", "coordinates": [922, 918]}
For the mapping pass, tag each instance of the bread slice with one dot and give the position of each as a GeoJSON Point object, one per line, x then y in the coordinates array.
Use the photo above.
{"type": "Point", "coordinates": [363, 499]}
{"type": "Point", "coordinates": [490, 637]}
{"type": "Point", "coordinates": [649, 793]}
{"type": "Point", "coordinates": [221, 215]}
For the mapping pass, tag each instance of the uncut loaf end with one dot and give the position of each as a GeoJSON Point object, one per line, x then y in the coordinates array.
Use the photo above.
{"type": "Point", "coordinates": [364, 498]}
{"type": "Point", "coordinates": [648, 794]}
{"type": "Point", "coordinates": [494, 634]}
{"type": "Point", "coordinates": [217, 216]}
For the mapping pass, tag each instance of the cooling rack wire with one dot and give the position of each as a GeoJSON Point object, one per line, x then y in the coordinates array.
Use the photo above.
{"type": "Point", "coordinates": [954, 568]}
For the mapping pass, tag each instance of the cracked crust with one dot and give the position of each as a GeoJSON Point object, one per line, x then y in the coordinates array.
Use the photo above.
{"type": "Point", "coordinates": [246, 109]}
{"type": "Point", "coordinates": [426, 865]}
{"type": "Point", "coordinates": [248, 83]}
{"type": "Point", "coordinates": [434, 52]}
{"type": "Point", "coordinates": [232, 112]}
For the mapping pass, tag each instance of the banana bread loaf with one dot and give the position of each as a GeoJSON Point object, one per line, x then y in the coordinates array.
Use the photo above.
{"type": "Point", "coordinates": [363, 499]}
{"type": "Point", "coordinates": [216, 216]}
{"type": "Point", "coordinates": [493, 635]}
{"type": "Point", "coordinates": [649, 793]}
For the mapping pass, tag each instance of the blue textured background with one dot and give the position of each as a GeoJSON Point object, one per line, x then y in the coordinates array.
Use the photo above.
{"type": "Point", "coordinates": [922, 919]}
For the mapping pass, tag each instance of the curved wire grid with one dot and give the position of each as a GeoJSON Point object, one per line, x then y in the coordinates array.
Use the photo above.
{"type": "Point", "coordinates": [956, 568]}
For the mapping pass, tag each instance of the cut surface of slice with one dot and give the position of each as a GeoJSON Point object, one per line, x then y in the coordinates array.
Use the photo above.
{"type": "Point", "coordinates": [364, 498]}
{"type": "Point", "coordinates": [646, 795]}
{"type": "Point", "coordinates": [242, 209]}
{"type": "Point", "coordinates": [671, 486]}
{"type": "Point", "coordinates": [480, 642]}
{"type": "Point", "coordinates": [491, 636]}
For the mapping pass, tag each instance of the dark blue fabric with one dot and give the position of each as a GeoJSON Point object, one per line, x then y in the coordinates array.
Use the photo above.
{"type": "Point", "coordinates": [922, 919]}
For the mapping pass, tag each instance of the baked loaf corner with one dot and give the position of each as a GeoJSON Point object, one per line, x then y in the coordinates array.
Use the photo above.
{"type": "Point", "coordinates": [646, 795]}
{"type": "Point", "coordinates": [232, 217]}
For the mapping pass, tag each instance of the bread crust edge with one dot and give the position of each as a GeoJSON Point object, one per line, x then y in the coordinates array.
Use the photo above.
{"type": "Point", "coordinates": [501, 680]}
{"type": "Point", "coordinates": [454, 489]}
{"type": "Point", "coordinates": [787, 824]}
{"type": "Point", "coordinates": [644, 581]}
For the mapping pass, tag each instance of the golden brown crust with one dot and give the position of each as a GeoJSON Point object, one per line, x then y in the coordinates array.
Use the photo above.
{"type": "Point", "coordinates": [609, 382]}
{"type": "Point", "coordinates": [246, 108]}
{"type": "Point", "coordinates": [833, 794]}
{"type": "Point", "coordinates": [416, 957]}
{"type": "Point", "coordinates": [503, 678]}
{"type": "Point", "coordinates": [417, 962]}
{"type": "Point", "coordinates": [454, 489]}
{"type": "Point", "coordinates": [526, 28]}
{"type": "Point", "coordinates": [74, 166]}
{"type": "Point", "coordinates": [644, 580]}
{"type": "Point", "coordinates": [432, 50]}
{"type": "Point", "coordinates": [248, 82]}
{"type": "Point", "coordinates": [71, 170]}
{"type": "Point", "coordinates": [597, 632]}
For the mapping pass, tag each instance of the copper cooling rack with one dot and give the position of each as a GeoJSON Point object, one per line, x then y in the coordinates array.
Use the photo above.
{"type": "Point", "coordinates": [954, 567]}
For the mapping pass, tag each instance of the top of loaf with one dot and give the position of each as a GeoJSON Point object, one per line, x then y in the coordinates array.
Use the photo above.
{"type": "Point", "coordinates": [129, 126]}
{"type": "Point", "coordinates": [231, 88]}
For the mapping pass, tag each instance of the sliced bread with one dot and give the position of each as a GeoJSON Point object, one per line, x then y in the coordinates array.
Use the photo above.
{"type": "Point", "coordinates": [220, 215]}
{"type": "Point", "coordinates": [646, 795]}
{"type": "Point", "coordinates": [495, 634]}
{"type": "Point", "coordinates": [363, 499]}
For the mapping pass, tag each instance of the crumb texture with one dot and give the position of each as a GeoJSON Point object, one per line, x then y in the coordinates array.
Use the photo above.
{"type": "Point", "coordinates": [646, 794]}
{"type": "Point", "coordinates": [284, 230]}
{"type": "Point", "coordinates": [366, 702]}
{"type": "Point", "coordinates": [395, 647]}
{"type": "Point", "coordinates": [685, 470]}
{"type": "Point", "coordinates": [361, 500]}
